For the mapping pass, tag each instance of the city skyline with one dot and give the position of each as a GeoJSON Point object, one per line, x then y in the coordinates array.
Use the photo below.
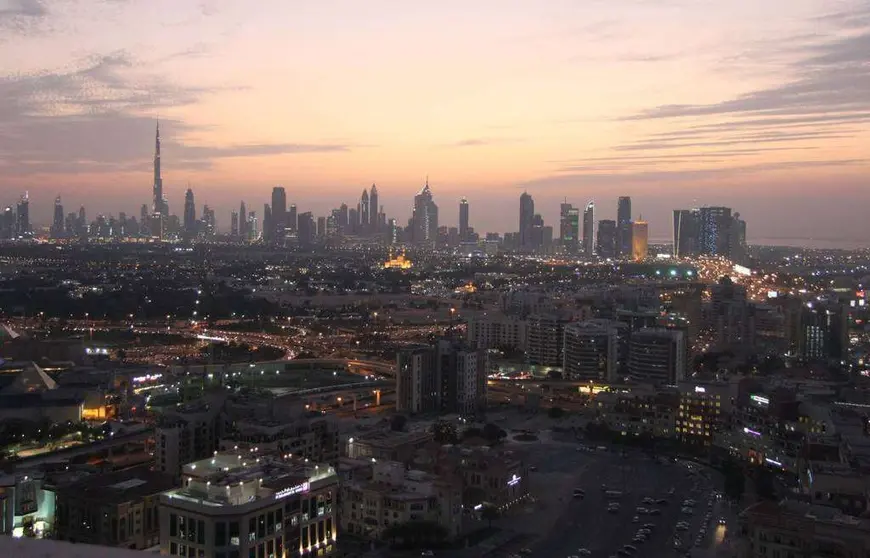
{"type": "Point", "coordinates": [773, 123]}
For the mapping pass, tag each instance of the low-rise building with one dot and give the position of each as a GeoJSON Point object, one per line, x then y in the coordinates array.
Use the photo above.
{"type": "Point", "coordinates": [387, 445]}
{"type": "Point", "coordinates": [489, 476]}
{"type": "Point", "coordinates": [242, 505]}
{"type": "Point", "coordinates": [641, 410]}
{"type": "Point", "coordinates": [116, 509]}
{"type": "Point", "coordinates": [393, 495]}
{"type": "Point", "coordinates": [314, 437]}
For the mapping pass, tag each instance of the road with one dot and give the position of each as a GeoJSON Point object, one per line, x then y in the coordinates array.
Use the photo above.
{"type": "Point", "coordinates": [585, 523]}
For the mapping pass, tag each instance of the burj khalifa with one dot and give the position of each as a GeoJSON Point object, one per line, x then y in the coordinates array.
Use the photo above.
{"type": "Point", "coordinates": [159, 204]}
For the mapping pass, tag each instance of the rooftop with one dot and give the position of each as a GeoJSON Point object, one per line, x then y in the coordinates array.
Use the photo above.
{"type": "Point", "coordinates": [121, 486]}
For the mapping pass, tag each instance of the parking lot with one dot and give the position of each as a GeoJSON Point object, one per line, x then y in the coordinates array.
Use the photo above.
{"type": "Point", "coordinates": [649, 492]}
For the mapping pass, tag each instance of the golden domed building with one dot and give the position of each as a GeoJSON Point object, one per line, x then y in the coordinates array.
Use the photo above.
{"type": "Point", "coordinates": [398, 262]}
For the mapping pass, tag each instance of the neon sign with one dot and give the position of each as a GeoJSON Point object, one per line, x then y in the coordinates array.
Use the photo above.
{"type": "Point", "coordinates": [514, 480]}
{"type": "Point", "coordinates": [760, 400]}
{"type": "Point", "coordinates": [699, 389]}
{"type": "Point", "coordinates": [290, 491]}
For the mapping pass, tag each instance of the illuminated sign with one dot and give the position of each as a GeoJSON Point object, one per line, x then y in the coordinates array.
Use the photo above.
{"type": "Point", "coordinates": [760, 399]}
{"type": "Point", "coordinates": [290, 491]}
{"type": "Point", "coordinates": [742, 270]}
{"type": "Point", "coordinates": [772, 462]}
{"type": "Point", "coordinates": [699, 389]}
{"type": "Point", "coordinates": [515, 480]}
{"type": "Point", "coordinates": [753, 432]}
{"type": "Point", "coordinates": [772, 294]}
{"type": "Point", "coordinates": [147, 378]}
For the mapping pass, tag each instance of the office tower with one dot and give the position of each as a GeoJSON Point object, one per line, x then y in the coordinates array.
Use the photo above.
{"type": "Point", "coordinates": [22, 223]}
{"type": "Point", "coordinates": [639, 240]}
{"type": "Point", "coordinates": [657, 355]}
{"type": "Point", "coordinates": [461, 377]}
{"type": "Point", "coordinates": [569, 227]}
{"type": "Point", "coordinates": [253, 226]}
{"type": "Point", "coordinates": [234, 225]}
{"type": "Point", "coordinates": [589, 229]}
{"type": "Point", "coordinates": [353, 220]}
{"type": "Point", "coordinates": [364, 216]}
{"type": "Point", "coordinates": [823, 332]}
{"type": "Point", "coordinates": [729, 315]}
{"type": "Point", "coordinates": [8, 228]}
{"type": "Point", "coordinates": [416, 380]}
{"type": "Point", "coordinates": [268, 228]}
{"type": "Point", "coordinates": [189, 215]}
{"type": "Point", "coordinates": [463, 220]}
{"type": "Point", "coordinates": [545, 337]}
{"type": "Point", "coordinates": [537, 236]}
{"type": "Point", "coordinates": [279, 214]}
{"type": "Point", "coordinates": [123, 225]}
{"type": "Point", "coordinates": [57, 222]}
{"type": "Point", "coordinates": [306, 230]}
{"type": "Point", "coordinates": [590, 351]}
{"type": "Point", "coordinates": [243, 221]}
{"type": "Point", "coordinates": [606, 245]}
{"type": "Point", "coordinates": [737, 239]}
{"type": "Point", "coordinates": [321, 227]}
{"type": "Point", "coordinates": [373, 209]}
{"type": "Point", "coordinates": [158, 202]}
{"type": "Point", "coordinates": [424, 229]}
{"type": "Point", "coordinates": [343, 219]}
{"type": "Point", "coordinates": [687, 232]}
{"type": "Point", "coordinates": [393, 232]}
{"type": "Point", "coordinates": [292, 223]}
{"type": "Point", "coordinates": [527, 215]}
{"type": "Point", "coordinates": [623, 225]}
{"type": "Point", "coordinates": [715, 231]}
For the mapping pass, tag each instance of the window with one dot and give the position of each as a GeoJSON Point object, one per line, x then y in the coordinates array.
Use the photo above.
{"type": "Point", "coordinates": [220, 534]}
{"type": "Point", "coordinates": [234, 533]}
{"type": "Point", "coordinates": [252, 529]}
{"type": "Point", "coordinates": [173, 549]}
{"type": "Point", "coordinates": [200, 531]}
{"type": "Point", "coordinates": [173, 525]}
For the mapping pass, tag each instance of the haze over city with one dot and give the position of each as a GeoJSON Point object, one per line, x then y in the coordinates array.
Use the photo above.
{"type": "Point", "coordinates": [759, 106]}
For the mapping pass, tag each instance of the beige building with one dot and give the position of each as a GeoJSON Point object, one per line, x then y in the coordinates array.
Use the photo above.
{"type": "Point", "coordinates": [315, 438]}
{"type": "Point", "coordinates": [387, 445]}
{"type": "Point", "coordinates": [797, 529]}
{"type": "Point", "coordinates": [488, 475]}
{"type": "Point", "coordinates": [393, 495]}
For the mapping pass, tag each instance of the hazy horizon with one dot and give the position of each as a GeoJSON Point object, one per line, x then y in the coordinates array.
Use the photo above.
{"type": "Point", "coordinates": [763, 107]}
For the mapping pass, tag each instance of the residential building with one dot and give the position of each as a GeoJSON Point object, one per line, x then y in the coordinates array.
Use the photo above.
{"type": "Point", "coordinates": [590, 351]}
{"type": "Point", "coordinates": [387, 445]}
{"type": "Point", "coordinates": [497, 331]}
{"type": "Point", "coordinates": [657, 355]}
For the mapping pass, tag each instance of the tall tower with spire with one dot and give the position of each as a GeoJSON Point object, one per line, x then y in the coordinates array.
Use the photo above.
{"type": "Point", "coordinates": [158, 203]}
{"type": "Point", "coordinates": [374, 209]}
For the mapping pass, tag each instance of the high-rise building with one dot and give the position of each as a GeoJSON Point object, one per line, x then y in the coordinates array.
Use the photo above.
{"type": "Point", "coordinates": [158, 204]}
{"type": "Point", "coordinates": [393, 232]}
{"type": "Point", "coordinates": [364, 216]}
{"type": "Point", "coordinates": [22, 214]}
{"type": "Point", "coordinates": [823, 332]}
{"type": "Point", "coordinates": [657, 355]}
{"type": "Point", "coordinates": [424, 220]}
{"type": "Point", "coordinates": [687, 232]}
{"type": "Point", "coordinates": [590, 351]}
{"type": "Point", "coordinates": [234, 225]}
{"type": "Point", "coordinates": [715, 231]}
{"type": "Point", "coordinates": [462, 373]}
{"type": "Point", "coordinates": [8, 225]}
{"type": "Point", "coordinates": [606, 245]}
{"type": "Point", "coordinates": [268, 227]}
{"type": "Point", "coordinates": [623, 226]}
{"type": "Point", "coordinates": [527, 215]}
{"type": "Point", "coordinates": [279, 213]}
{"type": "Point", "coordinates": [737, 239]}
{"type": "Point", "coordinates": [639, 240]}
{"type": "Point", "coordinates": [243, 221]}
{"type": "Point", "coordinates": [343, 219]}
{"type": "Point", "coordinates": [374, 219]}
{"type": "Point", "coordinates": [292, 221]}
{"type": "Point", "coordinates": [589, 229]}
{"type": "Point", "coordinates": [545, 337]}
{"type": "Point", "coordinates": [306, 230]}
{"type": "Point", "coordinates": [416, 380]}
{"type": "Point", "coordinates": [463, 220]}
{"type": "Point", "coordinates": [569, 227]}
{"type": "Point", "coordinates": [57, 230]}
{"type": "Point", "coordinates": [189, 215]}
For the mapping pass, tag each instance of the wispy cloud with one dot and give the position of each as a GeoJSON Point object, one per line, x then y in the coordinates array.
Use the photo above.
{"type": "Point", "coordinates": [480, 142]}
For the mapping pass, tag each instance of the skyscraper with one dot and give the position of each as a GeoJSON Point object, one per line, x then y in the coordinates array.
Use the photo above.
{"type": "Point", "coordinates": [234, 225]}
{"type": "Point", "coordinates": [715, 231]}
{"type": "Point", "coordinates": [424, 220]}
{"type": "Point", "coordinates": [279, 213]}
{"type": "Point", "coordinates": [292, 223]}
{"type": "Point", "coordinates": [463, 220]}
{"type": "Point", "coordinates": [623, 225]}
{"type": "Point", "coordinates": [687, 229]}
{"type": "Point", "coordinates": [243, 221]}
{"type": "Point", "coordinates": [22, 224]}
{"type": "Point", "coordinates": [606, 246]}
{"type": "Point", "coordinates": [157, 204]}
{"type": "Point", "coordinates": [268, 228]}
{"type": "Point", "coordinates": [639, 240]}
{"type": "Point", "coordinates": [57, 222]}
{"type": "Point", "coordinates": [374, 220]}
{"type": "Point", "coordinates": [589, 229]}
{"type": "Point", "coordinates": [527, 214]}
{"type": "Point", "coordinates": [364, 216]}
{"type": "Point", "coordinates": [189, 215]}
{"type": "Point", "coordinates": [343, 219]}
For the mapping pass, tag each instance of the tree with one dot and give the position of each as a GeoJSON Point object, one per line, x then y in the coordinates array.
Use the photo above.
{"type": "Point", "coordinates": [556, 412]}
{"type": "Point", "coordinates": [493, 433]}
{"type": "Point", "coordinates": [489, 514]}
{"type": "Point", "coordinates": [398, 422]}
{"type": "Point", "coordinates": [445, 432]}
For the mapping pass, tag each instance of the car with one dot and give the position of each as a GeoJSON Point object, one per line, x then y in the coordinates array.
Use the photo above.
{"type": "Point", "coordinates": [630, 548]}
{"type": "Point", "coordinates": [649, 526]}
{"type": "Point", "coordinates": [623, 552]}
{"type": "Point", "coordinates": [682, 527]}
{"type": "Point", "coordinates": [533, 469]}
{"type": "Point", "coordinates": [678, 544]}
{"type": "Point", "coordinates": [584, 552]}
{"type": "Point", "coordinates": [427, 553]}
{"type": "Point", "coordinates": [672, 491]}
{"type": "Point", "coordinates": [635, 519]}
{"type": "Point", "coordinates": [687, 511]}
{"type": "Point", "coordinates": [649, 501]}
{"type": "Point", "coordinates": [525, 552]}
{"type": "Point", "coordinates": [721, 521]}
{"type": "Point", "coordinates": [638, 540]}
{"type": "Point", "coordinates": [655, 511]}
{"type": "Point", "coordinates": [662, 502]}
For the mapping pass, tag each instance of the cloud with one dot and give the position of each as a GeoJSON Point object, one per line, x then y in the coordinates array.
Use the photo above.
{"type": "Point", "coordinates": [480, 142]}
{"type": "Point", "coordinates": [188, 152]}
{"type": "Point", "coordinates": [20, 16]}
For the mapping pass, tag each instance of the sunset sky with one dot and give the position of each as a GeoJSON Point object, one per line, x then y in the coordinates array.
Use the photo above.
{"type": "Point", "coordinates": [763, 106]}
